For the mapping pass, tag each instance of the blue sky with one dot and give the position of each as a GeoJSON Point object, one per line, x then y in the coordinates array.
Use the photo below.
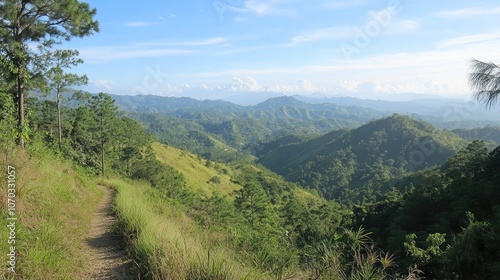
{"type": "Point", "coordinates": [212, 49]}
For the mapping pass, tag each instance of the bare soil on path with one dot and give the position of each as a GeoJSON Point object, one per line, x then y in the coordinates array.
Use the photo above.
{"type": "Point", "coordinates": [108, 258]}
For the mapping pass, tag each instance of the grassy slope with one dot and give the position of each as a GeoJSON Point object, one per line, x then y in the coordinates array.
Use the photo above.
{"type": "Point", "coordinates": [166, 243]}
{"type": "Point", "coordinates": [196, 171]}
{"type": "Point", "coordinates": [169, 245]}
{"type": "Point", "coordinates": [54, 206]}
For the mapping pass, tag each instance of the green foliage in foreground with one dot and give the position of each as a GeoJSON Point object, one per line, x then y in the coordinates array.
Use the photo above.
{"type": "Point", "coordinates": [449, 221]}
{"type": "Point", "coordinates": [167, 244]}
{"type": "Point", "coordinates": [268, 225]}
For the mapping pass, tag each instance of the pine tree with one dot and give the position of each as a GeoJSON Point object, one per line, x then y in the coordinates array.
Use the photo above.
{"type": "Point", "coordinates": [485, 80]}
{"type": "Point", "coordinates": [61, 82]}
{"type": "Point", "coordinates": [106, 118]}
{"type": "Point", "coordinates": [253, 203]}
{"type": "Point", "coordinates": [44, 23]}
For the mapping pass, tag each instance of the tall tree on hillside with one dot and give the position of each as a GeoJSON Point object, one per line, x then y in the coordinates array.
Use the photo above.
{"type": "Point", "coordinates": [27, 22]}
{"type": "Point", "coordinates": [485, 80]}
{"type": "Point", "coordinates": [105, 112]}
{"type": "Point", "coordinates": [253, 203]}
{"type": "Point", "coordinates": [84, 138]}
{"type": "Point", "coordinates": [130, 139]}
{"type": "Point", "coordinates": [61, 82]}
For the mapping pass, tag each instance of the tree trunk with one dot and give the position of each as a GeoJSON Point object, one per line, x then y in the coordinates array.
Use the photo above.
{"type": "Point", "coordinates": [59, 129]}
{"type": "Point", "coordinates": [102, 158]}
{"type": "Point", "coordinates": [20, 104]}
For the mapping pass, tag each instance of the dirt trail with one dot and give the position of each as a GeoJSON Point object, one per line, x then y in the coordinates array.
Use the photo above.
{"type": "Point", "coordinates": [108, 259]}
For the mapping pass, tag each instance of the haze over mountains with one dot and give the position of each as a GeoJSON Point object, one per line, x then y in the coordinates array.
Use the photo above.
{"type": "Point", "coordinates": [449, 113]}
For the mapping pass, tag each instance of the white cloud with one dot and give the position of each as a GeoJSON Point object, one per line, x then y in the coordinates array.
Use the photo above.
{"type": "Point", "coordinates": [388, 26]}
{"type": "Point", "coordinates": [206, 87]}
{"type": "Point", "coordinates": [286, 89]}
{"type": "Point", "coordinates": [258, 7]}
{"type": "Point", "coordinates": [171, 89]}
{"type": "Point", "coordinates": [336, 32]}
{"type": "Point", "coordinates": [470, 39]}
{"type": "Point", "coordinates": [249, 84]}
{"type": "Point", "coordinates": [343, 4]}
{"type": "Point", "coordinates": [264, 8]}
{"type": "Point", "coordinates": [139, 23]}
{"type": "Point", "coordinates": [402, 26]}
{"type": "Point", "coordinates": [210, 41]}
{"type": "Point", "coordinates": [346, 86]}
{"type": "Point", "coordinates": [306, 85]}
{"type": "Point", "coordinates": [115, 53]}
{"type": "Point", "coordinates": [367, 88]}
{"type": "Point", "coordinates": [105, 84]}
{"type": "Point", "coordinates": [468, 12]}
{"type": "Point", "coordinates": [302, 86]}
{"type": "Point", "coordinates": [441, 71]}
{"type": "Point", "coordinates": [202, 42]}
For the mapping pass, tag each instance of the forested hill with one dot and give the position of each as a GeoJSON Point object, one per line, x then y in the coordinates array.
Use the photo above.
{"type": "Point", "coordinates": [211, 128]}
{"type": "Point", "coordinates": [490, 134]}
{"type": "Point", "coordinates": [277, 108]}
{"type": "Point", "coordinates": [168, 105]}
{"type": "Point", "coordinates": [360, 164]}
{"type": "Point", "coordinates": [199, 126]}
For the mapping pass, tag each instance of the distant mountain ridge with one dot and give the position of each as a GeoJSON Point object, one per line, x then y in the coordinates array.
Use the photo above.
{"type": "Point", "coordinates": [449, 113]}
{"type": "Point", "coordinates": [213, 127]}
{"type": "Point", "coordinates": [436, 110]}
{"type": "Point", "coordinates": [241, 127]}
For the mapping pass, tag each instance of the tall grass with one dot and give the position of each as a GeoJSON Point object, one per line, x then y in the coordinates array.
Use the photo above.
{"type": "Point", "coordinates": [54, 206]}
{"type": "Point", "coordinates": [166, 244]}
{"type": "Point", "coordinates": [197, 173]}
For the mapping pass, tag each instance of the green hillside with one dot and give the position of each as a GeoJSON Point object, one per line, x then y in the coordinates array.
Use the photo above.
{"type": "Point", "coordinates": [447, 222]}
{"type": "Point", "coordinates": [239, 210]}
{"type": "Point", "coordinates": [193, 218]}
{"type": "Point", "coordinates": [202, 176]}
{"type": "Point", "coordinates": [208, 178]}
{"type": "Point", "coordinates": [357, 164]}
{"type": "Point", "coordinates": [201, 126]}
{"type": "Point", "coordinates": [489, 134]}
{"type": "Point", "coordinates": [187, 135]}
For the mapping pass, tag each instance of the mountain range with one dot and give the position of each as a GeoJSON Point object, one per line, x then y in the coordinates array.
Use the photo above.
{"type": "Point", "coordinates": [351, 151]}
{"type": "Point", "coordinates": [449, 113]}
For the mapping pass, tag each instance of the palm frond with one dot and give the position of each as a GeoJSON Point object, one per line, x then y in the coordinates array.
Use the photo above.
{"type": "Point", "coordinates": [484, 78]}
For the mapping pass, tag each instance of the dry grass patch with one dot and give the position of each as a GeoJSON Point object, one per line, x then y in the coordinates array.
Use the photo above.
{"type": "Point", "coordinates": [198, 175]}
{"type": "Point", "coordinates": [169, 245]}
{"type": "Point", "coordinates": [54, 206]}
